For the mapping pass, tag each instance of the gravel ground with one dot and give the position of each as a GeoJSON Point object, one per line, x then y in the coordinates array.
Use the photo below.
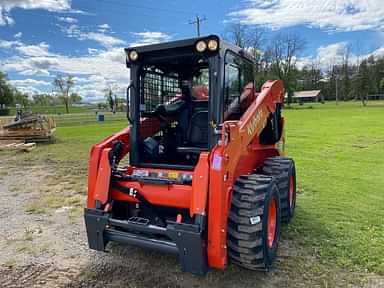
{"type": "Point", "coordinates": [48, 247]}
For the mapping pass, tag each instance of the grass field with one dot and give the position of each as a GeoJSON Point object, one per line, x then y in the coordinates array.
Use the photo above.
{"type": "Point", "coordinates": [339, 154]}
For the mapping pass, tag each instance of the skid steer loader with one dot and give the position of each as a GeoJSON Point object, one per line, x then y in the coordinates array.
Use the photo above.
{"type": "Point", "coordinates": [199, 171]}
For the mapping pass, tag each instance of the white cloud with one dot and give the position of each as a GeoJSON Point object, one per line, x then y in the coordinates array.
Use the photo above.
{"type": "Point", "coordinates": [103, 39]}
{"type": "Point", "coordinates": [5, 19]}
{"type": "Point", "coordinates": [378, 53]}
{"type": "Point", "coordinates": [34, 50]}
{"type": "Point", "coordinates": [149, 37]}
{"type": "Point", "coordinates": [337, 15]}
{"type": "Point", "coordinates": [325, 57]}
{"type": "Point", "coordinates": [74, 31]}
{"type": "Point", "coordinates": [68, 20]}
{"type": "Point", "coordinates": [104, 26]}
{"type": "Point", "coordinates": [93, 72]}
{"type": "Point", "coordinates": [334, 54]}
{"type": "Point", "coordinates": [51, 5]}
{"type": "Point", "coordinates": [8, 44]}
{"type": "Point", "coordinates": [30, 90]}
{"type": "Point", "coordinates": [29, 82]}
{"type": "Point", "coordinates": [92, 50]}
{"type": "Point", "coordinates": [18, 35]}
{"type": "Point", "coordinates": [31, 66]}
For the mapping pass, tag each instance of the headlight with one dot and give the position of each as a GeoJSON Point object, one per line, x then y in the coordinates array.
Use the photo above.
{"type": "Point", "coordinates": [201, 46]}
{"type": "Point", "coordinates": [213, 45]}
{"type": "Point", "coordinates": [133, 55]}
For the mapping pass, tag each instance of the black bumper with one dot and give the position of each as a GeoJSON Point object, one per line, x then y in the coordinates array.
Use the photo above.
{"type": "Point", "coordinates": [186, 240]}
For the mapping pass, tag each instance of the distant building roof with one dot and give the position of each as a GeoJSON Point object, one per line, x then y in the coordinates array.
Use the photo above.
{"type": "Point", "coordinates": [306, 94]}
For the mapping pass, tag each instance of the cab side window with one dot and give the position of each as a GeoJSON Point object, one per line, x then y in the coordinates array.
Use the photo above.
{"type": "Point", "coordinates": [238, 73]}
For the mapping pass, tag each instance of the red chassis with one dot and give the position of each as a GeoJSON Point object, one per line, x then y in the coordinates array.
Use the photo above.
{"type": "Point", "coordinates": [239, 152]}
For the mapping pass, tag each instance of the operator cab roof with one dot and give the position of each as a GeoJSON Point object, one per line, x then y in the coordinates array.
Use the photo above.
{"type": "Point", "coordinates": [185, 47]}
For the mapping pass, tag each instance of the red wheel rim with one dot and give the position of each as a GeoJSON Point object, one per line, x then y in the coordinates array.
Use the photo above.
{"type": "Point", "coordinates": [272, 211]}
{"type": "Point", "coordinates": [291, 191]}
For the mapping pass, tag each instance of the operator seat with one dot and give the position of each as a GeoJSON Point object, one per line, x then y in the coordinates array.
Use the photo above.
{"type": "Point", "coordinates": [198, 129]}
{"type": "Point", "coordinates": [197, 134]}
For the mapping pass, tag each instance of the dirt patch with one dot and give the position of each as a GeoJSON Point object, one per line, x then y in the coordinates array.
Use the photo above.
{"type": "Point", "coordinates": [43, 244]}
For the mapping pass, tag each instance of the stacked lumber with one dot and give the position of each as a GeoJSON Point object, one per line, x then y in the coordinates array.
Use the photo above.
{"type": "Point", "coordinates": [32, 128]}
{"type": "Point", "coordinates": [26, 147]}
{"type": "Point", "coordinates": [28, 135]}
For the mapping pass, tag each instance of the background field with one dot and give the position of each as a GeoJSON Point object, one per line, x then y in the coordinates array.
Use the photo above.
{"type": "Point", "coordinates": [339, 151]}
{"type": "Point", "coordinates": [337, 235]}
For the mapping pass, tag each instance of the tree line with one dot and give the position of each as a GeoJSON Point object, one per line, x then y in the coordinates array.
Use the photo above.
{"type": "Point", "coordinates": [62, 94]}
{"type": "Point", "coordinates": [10, 96]}
{"type": "Point", "coordinates": [348, 78]}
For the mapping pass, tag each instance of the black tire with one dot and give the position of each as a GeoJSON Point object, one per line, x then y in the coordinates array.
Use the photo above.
{"type": "Point", "coordinates": [284, 172]}
{"type": "Point", "coordinates": [248, 222]}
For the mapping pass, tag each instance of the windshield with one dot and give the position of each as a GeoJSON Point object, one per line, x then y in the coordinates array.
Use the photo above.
{"type": "Point", "coordinates": [173, 96]}
{"type": "Point", "coordinates": [161, 85]}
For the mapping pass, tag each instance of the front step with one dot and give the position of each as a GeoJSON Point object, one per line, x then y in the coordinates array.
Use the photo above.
{"type": "Point", "coordinates": [138, 220]}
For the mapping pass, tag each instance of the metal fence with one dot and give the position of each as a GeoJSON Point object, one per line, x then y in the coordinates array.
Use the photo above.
{"type": "Point", "coordinates": [78, 119]}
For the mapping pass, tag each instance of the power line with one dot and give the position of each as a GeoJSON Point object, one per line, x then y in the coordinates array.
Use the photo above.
{"type": "Point", "coordinates": [197, 22]}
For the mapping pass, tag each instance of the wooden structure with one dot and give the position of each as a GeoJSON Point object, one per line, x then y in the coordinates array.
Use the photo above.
{"type": "Point", "coordinates": [308, 96]}
{"type": "Point", "coordinates": [34, 128]}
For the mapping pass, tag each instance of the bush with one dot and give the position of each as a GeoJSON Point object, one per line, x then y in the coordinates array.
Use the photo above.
{"type": "Point", "coordinates": [4, 111]}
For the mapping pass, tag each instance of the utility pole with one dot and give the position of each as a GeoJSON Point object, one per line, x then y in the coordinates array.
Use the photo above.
{"type": "Point", "coordinates": [197, 22]}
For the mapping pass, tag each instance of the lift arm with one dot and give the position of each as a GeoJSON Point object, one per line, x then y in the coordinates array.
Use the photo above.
{"type": "Point", "coordinates": [236, 135]}
{"type": "Point", "coordinates": [255, 118]}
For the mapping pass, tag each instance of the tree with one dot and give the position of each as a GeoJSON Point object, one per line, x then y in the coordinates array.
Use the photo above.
{"type": "Point", "coordinates": [345, 79]}
{"type": "Point", "coordinates": [250, 39]}
{"type": "Point", "coordinates": [382, 84]}
{"type": "Point", "coordinates": [6, 91]}
{"type": "Point", "coordinates": [254, 40]}
{"type": "Point", "coordinates": [283, 52]}
{"type": "Point", "coordinates": [43, 99]}
{"type": "Point", "coordinates": [110, 99]}
{"type": "Point", "coordinates": [363, 81]}
{"type": "Point", "coordinates": [309, 77]}
{"type": "Point", "coordinates": [75, 98]}
{"type": "Point", "coordinates": [63, 84]}
{"type": "Point", "coordinates": [237, 34]}
{"type": "Point", "coordinates": [21, 98]}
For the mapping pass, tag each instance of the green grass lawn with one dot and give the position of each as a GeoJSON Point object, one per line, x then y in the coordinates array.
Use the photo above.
{"type": "Point", "coordinates": [339, 154]}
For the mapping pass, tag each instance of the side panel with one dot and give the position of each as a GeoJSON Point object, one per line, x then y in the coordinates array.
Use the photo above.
{"type": "Point", "coordinates": [94, 160]}
{"type": "Point", "coordinates": [200, 186]}
{"type": "Point", "coordinates": [103, 177]}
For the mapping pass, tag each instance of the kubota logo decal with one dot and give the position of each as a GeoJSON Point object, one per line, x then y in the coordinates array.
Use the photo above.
{"type": "Point", "coordinates": [256, 123]}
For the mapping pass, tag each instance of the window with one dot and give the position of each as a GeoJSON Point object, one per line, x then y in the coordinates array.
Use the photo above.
{"type": "Point", "coordinates": [201, 78]}
{"type": "Point", "coordinates": [157, 88]}
{"type": "Point", "coordinates": [238, 73]}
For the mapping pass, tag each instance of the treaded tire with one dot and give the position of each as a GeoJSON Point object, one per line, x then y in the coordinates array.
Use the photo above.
{"type": "Point", "coordinates": [248, 243]}
{"type": "Point", "coordinates": [283, 170]}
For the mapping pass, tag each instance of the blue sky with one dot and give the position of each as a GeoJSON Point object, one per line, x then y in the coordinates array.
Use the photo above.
{"type": "Point", "coordinates": [42, 38]}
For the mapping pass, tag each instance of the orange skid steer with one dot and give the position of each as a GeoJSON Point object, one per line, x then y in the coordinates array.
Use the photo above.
{"type": "Point", "coordinates": [204, 176]}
